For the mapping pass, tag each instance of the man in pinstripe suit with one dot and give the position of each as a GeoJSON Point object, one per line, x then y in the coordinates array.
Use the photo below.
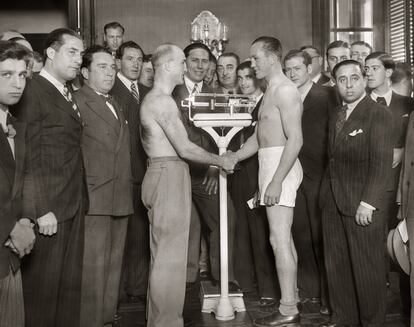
{"type": "Point", "coordinates": [352, 192]}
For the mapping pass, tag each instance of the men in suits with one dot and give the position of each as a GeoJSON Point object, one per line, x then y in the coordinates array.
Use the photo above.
{"type": "Point", "coordinates": [106, 153]}
{"type": "Point", "coordinates": [351, 198]}
{"type": "Point", "coordinates": [146, 77]}
{"type": "Point", "coordinates": [204, 179]}
{"type": "Point", "coordinates": [252, 251]}
{"type": "Point", "coordinates": [360, 50]}
{"type": "Point", "coordinates": [307, 229]}
{"type": "Point", "coordinates": [54, 181]}
{"type": "Point", "coordinates": [336, 52]}
{"type": "Point", "coordinates": [167, 188]}
{"type": "Point", "coordinates": [128, 92]}
{"type": "Point", "coordinates": [226, 71]}
{"type": "Point", "coordinates": [317, 76]}
{"type": "Point", "coordinates": [16, 233]}
{"type": "Point", "coordinates": [113, 36]}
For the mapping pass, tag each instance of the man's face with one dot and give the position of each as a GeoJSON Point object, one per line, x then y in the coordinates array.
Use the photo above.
{"type": "Point", "coordinates": [261, 61]}
{"type": "Point", "coordinates": [113, 38]}
{"type": "Point", "coordinates": [360, 52]}
{"type": "Point", "coordinates": [211, 71]}
{"type": "Point", "coordinates": [297, 71]}
{"type": "Point", "coordinates": [101, 74]}
{"type": "Point", "coordinates": [351, 83]}
{"type": "Point", "coordinates": [12, 81]}
{"type": "Point", "coordinates": [66, 61]}
{"type": "Point", "coordinates": [246, 81]}
{"type": "Point", "coordinates": [131, 63]}
{"type": "Point", "coordinates": [377, 75]}
{"type": "Point", "coordinates": [37, 66]}
{"type": "Point", "coordinates": [147, 74]}
{"type": "Point", "coordinates": [226, 72]}
{"type": "Point", "coordinates": [178, 66]}
{"type": "Point", "coordinates": [336, 55]}
{"type": "Point", "coordinates": [317, 61]}
{"type": "Point", "coordinates": [197, 65]}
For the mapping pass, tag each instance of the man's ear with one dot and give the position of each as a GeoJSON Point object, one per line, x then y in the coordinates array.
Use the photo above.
{"type": "Point", "coordinates": [118, 63]}
{"type": "Point", "coordinates": [50, 53]}
{"type": "Point", "coordinates": [309, 69]}
{"type": "Point", "coordinates": [388, 73]}
{"type": "Point", "coordinates": [85, 73]}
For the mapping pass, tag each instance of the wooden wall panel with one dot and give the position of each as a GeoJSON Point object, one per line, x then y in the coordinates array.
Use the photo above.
{"type": "Point", "coordinates": [152, 22]}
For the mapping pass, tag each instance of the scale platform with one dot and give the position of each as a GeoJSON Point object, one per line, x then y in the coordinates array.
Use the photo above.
{"type": "Point", "coordinates": [210, 296]}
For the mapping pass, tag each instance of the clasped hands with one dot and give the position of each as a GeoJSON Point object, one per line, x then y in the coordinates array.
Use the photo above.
{"type": "Point", "coordinates": [21, 238]}
{"type": "Point", "coordinates": [230, 159]}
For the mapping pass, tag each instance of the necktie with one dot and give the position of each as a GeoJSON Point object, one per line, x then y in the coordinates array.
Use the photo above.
{"type": "Point", "coordinates": [194, 91]}
{"type": "Point", "coordinates": [381, 100]}
{"type": "Point", "coordinates": [134, 92]}
{"type": "Point", "coordinates": [68, 95]}
{"type": "Point", "coordinates": [341, 119]}
{"type": "Point", "coordinates": [109, 100]}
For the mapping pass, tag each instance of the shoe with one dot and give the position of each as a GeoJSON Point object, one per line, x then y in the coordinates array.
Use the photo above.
{"type": "Point", "coordinates": [117, 317]}
{"type": "Point", "coordinates": [142, 299]}
{"type": "Point", "coordinates": [267, 304]}
{"type": "Point", "coordinates": [325, 311]}
{"type": "Point", "coordinates": [234, 287]}
{"type": "Point", "coordinates": [277, 319]}
{"type": "Point", "coordinates": [204, 275]}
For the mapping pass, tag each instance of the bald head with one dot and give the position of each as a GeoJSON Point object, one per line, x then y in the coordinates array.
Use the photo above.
{"type": "Point", "coordinates": [169, 64]}
{"type": "Point", "coordinates": [165, 53]}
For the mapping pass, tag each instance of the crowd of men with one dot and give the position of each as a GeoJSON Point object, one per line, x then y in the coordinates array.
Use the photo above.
{"type": "Point", "coordinates": [110, 194]}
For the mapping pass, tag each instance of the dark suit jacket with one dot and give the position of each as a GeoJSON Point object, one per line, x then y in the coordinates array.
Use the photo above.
{"type": "Point", "coordinates": [195, 134]}
{"type": "Point", "coordinates": [316, 112]}
{"type": "Point", "coordinates": [359, 165]}
{"type": "Point", "coordinates": [401, 108]}
{"type": "Point", "coordinates": [54, 178]}
{"type": "Point", "coordinates": [129, 105]}
{"type": "Point", "coordinates": [11, 184]}
{"type": "Point", "coordinates": [407, 176]}
{"type": "Point", "coordinates": [323, 79]}
{"type": "Point", "coordinates": [106, 152]}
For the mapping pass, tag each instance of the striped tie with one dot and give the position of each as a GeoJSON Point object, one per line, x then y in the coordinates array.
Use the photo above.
{"type": "Point", "coordinates": [68, 95]}
{"type": "Point", "coordinates": [195, 90]}
{"type": "Point", "coordinates": [341, 119]}
{"type": "Point", "coordinates": [134, 92]}
{"type": "Point", "coordinates": [381, 100]}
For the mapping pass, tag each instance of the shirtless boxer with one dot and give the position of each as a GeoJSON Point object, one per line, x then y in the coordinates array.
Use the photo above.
{"type": "Point", "coordinates": [166, 189]}
{"type": "Point", "coordinates": [278, 139]}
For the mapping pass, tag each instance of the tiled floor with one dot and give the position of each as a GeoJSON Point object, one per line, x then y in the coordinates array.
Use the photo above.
{"type": "Point", "coordinates": [134, 314]}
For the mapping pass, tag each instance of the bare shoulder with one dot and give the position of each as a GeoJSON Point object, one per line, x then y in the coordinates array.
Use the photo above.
{"type": "Point", "coordinates": [286, 90]}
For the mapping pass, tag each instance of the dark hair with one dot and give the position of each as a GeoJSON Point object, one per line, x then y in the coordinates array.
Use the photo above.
{"type": "Point", "coordinates": [403, 70]}
{"type": "Point", "coordinates": [365, 44]}
{"type": "Point", "coordinates": [245, 65]}
{"type": "Point", "coordinates": [37, 56]}
{"type": "Point", "coordinates": [147, 58]}
{"type": "Point", "coordinates": [231, 55]}
{"type": "Point", "coordinates": [270, 44]}
{"type": "Point", "coordinates": [13, 50]}
{"type": "Point", "coordinates": [347, 63]}
{"type": "Point", "coordinates": [212, 58]}
{"type": "Point", "coordinates": [114, 25]}
{"type": "Point", "coordinates": [336, 44]}
{"type": "Point", "coordinates": [307, 60]}
{"type": "Point", "coordinates": [385, 59]}
{"type": "Point", "coordinates": [127, 44]}
{"type": "Point", "coordinates": [196, 45]}
{"type": "Point", "coordinates": [55, 39]}
{"type": "Point", "coordinates": [89, 52]}
{"type": "Point", "coordinates": [303, 48]}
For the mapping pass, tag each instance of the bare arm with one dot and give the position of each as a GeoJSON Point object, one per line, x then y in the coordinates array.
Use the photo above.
{"type": "Point", "coordinates": [249, 148]}
{"type": "Point", "coordinates": [168, 117]}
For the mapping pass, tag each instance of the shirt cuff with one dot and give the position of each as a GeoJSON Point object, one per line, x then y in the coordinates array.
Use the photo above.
{"type": "Point", "coordinates": [366, 205]}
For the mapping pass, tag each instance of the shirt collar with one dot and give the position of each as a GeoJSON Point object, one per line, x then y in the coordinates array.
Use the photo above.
{"type": "Point", "coordinates": [127, 82]}
{"type": "Point", "coordinates": [316, 78]}
{"type": "Point", "coordinates": [387, 96]}
{"type": "Point", "coordinates": [59, 85]}
{"type": "Point", "coordinates": [190, 85]}
{"type": "Point", "coordinates": [352, 105]}
{"type": "Point", "coordinates": [305, 92]}
{"type": "Point", "coordinates": [3, 118]}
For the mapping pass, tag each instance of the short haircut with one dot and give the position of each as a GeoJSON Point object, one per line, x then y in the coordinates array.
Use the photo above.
{"type": "Point", "coordinates": [307, 60]}
{"type": "Point", "coordinates": [385, 59]}
{"type": "Point", "coordinates": [127, 44]}
{"type": "Point", "coordinates": [212, 58]}
{"type": "Point", "coordinates": [365, 44]}
{"type": "Point", "coordinates": [114, 25]}
{"type": "Point", "coordinates": [147, 58]}
{"type": "Point", "coordinates": [403, 70]}
{"type": "Point", "coordinates": [247, 64]}
{"type": "Point", "coordinates": [13, 50]}
{"type": "Point", "coordinates": [55, 39]}
{"type": "Point", "coordinates": [162, 54]}
{"type": "Point", "coordinates": [336, 44]}
{"type": "Point", "coordinates": [303, 48]}
{"type": "Point", "coordinates": [37, 56]}
{"type": "Point", "coordinates": [89, 52]}
{"type": "Point", "coordinates": [196, 45]}
{"type": "Point", "coordinates": [270, 44]}
{"type": "Point", "coordinates": [348, 62]}
{"type": "Point", "coordinates": [231, 55]}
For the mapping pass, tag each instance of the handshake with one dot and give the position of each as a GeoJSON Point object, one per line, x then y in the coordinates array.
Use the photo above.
{"type": "Point", "coordinates": [228, 161]}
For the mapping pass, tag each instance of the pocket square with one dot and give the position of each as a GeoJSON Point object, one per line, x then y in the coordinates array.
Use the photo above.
{"type": "Point", "coordinates": [355, 132]}
{"type": "Point", "coordinates": [405, 116]}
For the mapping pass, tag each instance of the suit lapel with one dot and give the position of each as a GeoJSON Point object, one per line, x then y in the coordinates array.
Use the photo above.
{"type": "Point", "coordinates": [19, 150]}
{"type": "Point", "coordinates": [6, 158]}
{"type": "Point", "coordinates": [123, 125]}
